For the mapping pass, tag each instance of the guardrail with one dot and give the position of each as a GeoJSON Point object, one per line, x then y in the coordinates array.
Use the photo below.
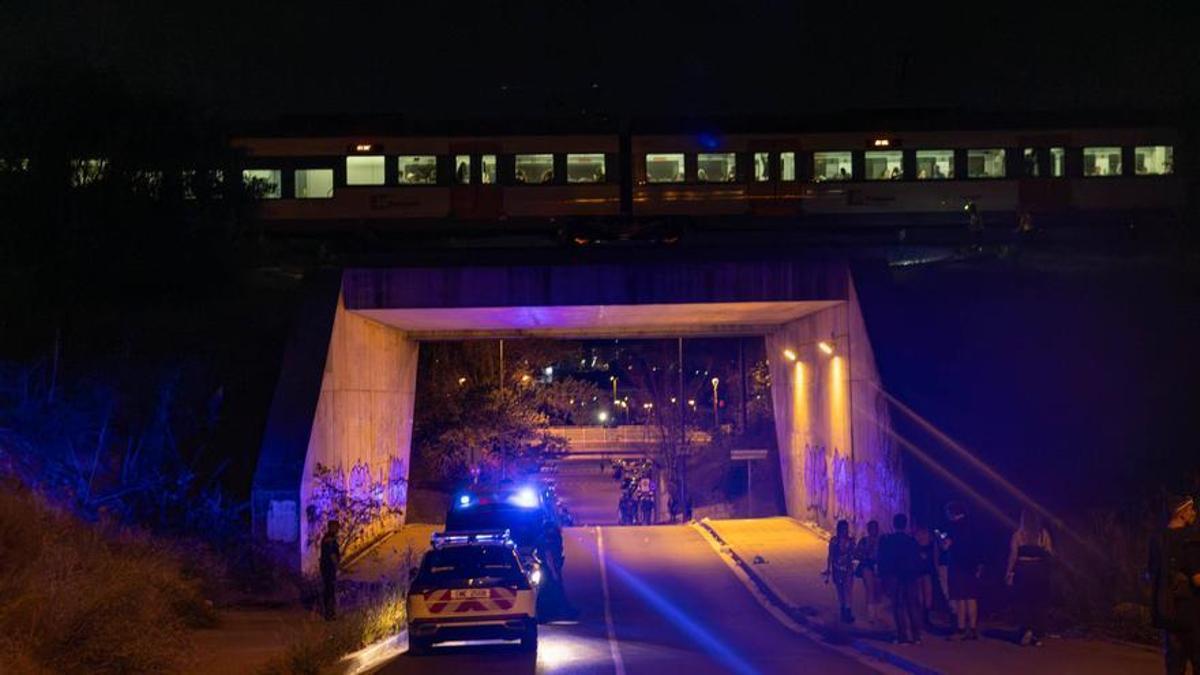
{"type": "Point", "coordinates": [629, 435]}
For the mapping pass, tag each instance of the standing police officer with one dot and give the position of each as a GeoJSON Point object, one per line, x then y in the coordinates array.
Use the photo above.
{"type": "Point", "coordinates": [331, 557]}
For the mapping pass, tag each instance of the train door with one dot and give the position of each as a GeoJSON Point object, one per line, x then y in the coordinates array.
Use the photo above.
{"type": "Point", "coordinates": [475, 188]}
{"type": "Point", "coordinates": [763, 189]}
{"type": "Point", "coordinates": [1042, 186]}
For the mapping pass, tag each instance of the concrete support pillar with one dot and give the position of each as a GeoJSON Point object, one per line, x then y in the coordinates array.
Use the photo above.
{"type": "Point", "coordinates": [362, 429]}
{"type": "Point", "coordinates": [836, 457]}
{"type": "Point", "coordinates": [353, 417]}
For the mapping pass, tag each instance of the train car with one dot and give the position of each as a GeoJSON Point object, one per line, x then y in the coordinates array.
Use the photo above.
{"type": "Point", "coordinates": [908, 178]}
{"type": "Point", "coordinates": [805, 178]}
{"type": "Point", "coordinates": [406, 180]}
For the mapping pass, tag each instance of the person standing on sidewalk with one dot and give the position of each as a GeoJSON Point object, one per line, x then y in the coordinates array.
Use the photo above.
{"type": "Point", "coordinates": [839, 567]}
{"type": "Point", "coordinates": [964, 569]}
{"type": "Point", "coordinates": [331, 557]}
{"type": "Point", "coordinates": [867, 554]}
{"type": "Point", "coordinates": [925, 579]}
{"type": "Point", "coordinates": [1030, 553]}
{"type": "Point", "coordinates": [899, 567]}
{"type": "Point", "coordinates": [1175, 572]}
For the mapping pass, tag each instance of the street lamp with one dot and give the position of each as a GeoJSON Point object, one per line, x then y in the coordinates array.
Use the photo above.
{"type": "Point", "coordinates": [716, 415]}
{"type": "Point", "coordinates": [602, 416]}
{"type": "Point", "coordinates": [613, 379]}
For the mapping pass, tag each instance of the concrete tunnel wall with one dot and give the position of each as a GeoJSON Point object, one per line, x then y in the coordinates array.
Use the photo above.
{"type": "Point", "coordinates": [831, 422]}
{"type": "Point", "coordinates": [346, 396]}
{"type": "Point", "coordinates": [344, 402]}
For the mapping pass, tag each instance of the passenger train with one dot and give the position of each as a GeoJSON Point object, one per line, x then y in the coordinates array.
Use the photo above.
{"type": "Point", "coordinates": [905, 178]}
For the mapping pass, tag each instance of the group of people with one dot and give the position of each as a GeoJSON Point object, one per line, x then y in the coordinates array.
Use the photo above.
{"type": "Point", "coordinates": [909, 567]}
{"type": "Point", "coordinates": [638, 494]}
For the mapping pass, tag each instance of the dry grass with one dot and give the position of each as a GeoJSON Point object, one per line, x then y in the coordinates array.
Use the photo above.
{"type": "Point", "coordinates": [86, 598]}
{"type": "Point", "coordinates": [321, 646]}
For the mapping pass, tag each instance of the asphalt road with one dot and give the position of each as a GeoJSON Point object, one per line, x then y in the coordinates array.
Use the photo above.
{"type": "Point", "coordinates": [590, 493]}
{"type": "Point", "coordinates": [674, 607]}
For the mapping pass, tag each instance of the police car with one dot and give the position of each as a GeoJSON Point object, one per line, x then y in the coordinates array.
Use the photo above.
{"type": "Point", "coordinates": [472, 586]}
{"type": "Point", "coordinates": [523, 510]}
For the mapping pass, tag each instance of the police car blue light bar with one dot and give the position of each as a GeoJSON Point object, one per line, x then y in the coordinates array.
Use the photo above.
{"type": "Point", "coordinates": [442, 539]}
{"type": "Point", "coordinates": [526, 498]}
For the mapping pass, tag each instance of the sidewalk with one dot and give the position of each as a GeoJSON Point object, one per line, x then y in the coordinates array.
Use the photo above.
{"type": "Point", "coordinates": [788, 558]}
{"type": "Point", "coordinates": [249, 638]}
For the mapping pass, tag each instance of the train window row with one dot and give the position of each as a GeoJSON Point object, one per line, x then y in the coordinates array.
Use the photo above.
{"type": "Point", "coordinates": [874, 165]}
{"type": "Point", "coordinates": [723, 167]}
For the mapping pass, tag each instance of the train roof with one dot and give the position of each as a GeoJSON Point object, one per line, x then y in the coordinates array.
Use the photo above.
{"type": "Point", "coordinates": [861, 120]}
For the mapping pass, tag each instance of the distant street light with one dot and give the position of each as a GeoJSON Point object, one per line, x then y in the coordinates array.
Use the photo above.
{"type": "Point", "coordinates": [613, 379]}
{"type": "Point", "coordinates": [716, 414]}
{"type": "Point", "coordinates": [602, 416]}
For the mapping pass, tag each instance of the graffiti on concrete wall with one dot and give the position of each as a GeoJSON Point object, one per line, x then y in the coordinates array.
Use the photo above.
{"type": "Point", "coordinates": [355, 499]}
{"type": "Point", "coordinates": [816, 481]}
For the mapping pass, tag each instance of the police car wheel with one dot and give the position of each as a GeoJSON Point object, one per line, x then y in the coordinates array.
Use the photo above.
{"type": "Point", "coordinates": [530, 639]}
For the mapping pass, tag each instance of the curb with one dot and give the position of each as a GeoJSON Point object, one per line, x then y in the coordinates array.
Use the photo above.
{"type": "Point", "coordinates": [799, 616]}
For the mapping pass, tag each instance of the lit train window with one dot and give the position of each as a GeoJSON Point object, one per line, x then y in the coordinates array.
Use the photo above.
{"type": "Point", "coordinates": [1102, 161]}
{"type": "Point", "coordinates": [832, 166]}
{"type": "Point", "coordinates": [266, 183]}
{"type": "Point", "coordinates": [462, 169]}
{"type": "Point", "coordinates": [987, 163]}
{"type": "Point", "coordinates": [1057, 167]}
{"type": "Point", "coordinates": [364, 170]}
{"type": "Point", "coordinates": [762, 166]}
{"type": "Point", "coordinates": [587, 168]}
{"type": "Point", "coordinates": [935, 164]}
{"type": "Point", "coordinates": [487, 169]}
{"type": "Point", "coordinates": [1029, 161]}
{"type": "Point", "coordinates": [716, 167]}
{"type": "Point", "coordinates": [535, 168]}
{"type": "Point", "coordinates": [664, 168]}
{"type": "Point", "coordinates": [314, 183]}
{"type": "Point", "coordinates": [418, 169]}
{"type": "Point", "coordinates": [884, 164]}
{"type": "Point", "coordinates": [787, 166]}
{"type": "Point", "coordinates": [1154, 160]}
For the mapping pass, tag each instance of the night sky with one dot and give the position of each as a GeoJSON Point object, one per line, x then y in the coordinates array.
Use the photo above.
{"type": "Point", "coordinates": [260, 59]}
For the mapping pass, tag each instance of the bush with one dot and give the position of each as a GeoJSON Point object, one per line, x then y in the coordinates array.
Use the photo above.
{"type": "Point", "coordinates": [89, 598]}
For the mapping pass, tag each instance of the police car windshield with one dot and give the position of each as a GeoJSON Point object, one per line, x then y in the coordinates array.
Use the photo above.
{"type": "Point", "coordinates": [497, 564]}
{"type": "Point", "coordinates": [523, 524]}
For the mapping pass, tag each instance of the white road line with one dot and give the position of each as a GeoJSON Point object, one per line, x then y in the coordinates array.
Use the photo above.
{"type": "Point", "coordinates": [618, 662]}
{"type": "Point", "coordinates": [778, 614]}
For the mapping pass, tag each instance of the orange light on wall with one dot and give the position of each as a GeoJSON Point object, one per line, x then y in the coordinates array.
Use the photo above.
{"type": "Point", "coordinates": [825, 348]}
{"type": "Point", "coordinates": [789, 354]}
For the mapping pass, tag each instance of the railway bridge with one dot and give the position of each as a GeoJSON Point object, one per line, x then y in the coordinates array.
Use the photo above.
{"type": "Point", "coordinates": [343, 407]}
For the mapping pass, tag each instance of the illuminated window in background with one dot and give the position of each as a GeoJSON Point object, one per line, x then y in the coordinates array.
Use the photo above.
{"type": "Point", "coordinates": [314, 183]}
{"type": "Point", "coordinates": [535, 168]}
{"type": "Point", "coordinates": [364, 170]}
{"type": "Point", "coordinates": [762, 167]}
{"type": "Point", "coordinates": [1057, 158]}
{"type": "Point", "coordinates": [487, 169]}
{"type": "Point", "coordinates": [664, 168]}
{"type": "Point", "coordinates": [87, 171]}
{"type": "Point", "coordinates": [787, 166]}
{"type": "Point", "coordinates": [985, 163]}
{"type": "Point", "coordinates": [716, 167]}
{"type": "Point", "coordinates": [883, 165]}
{"type": "Point", "coordinates": [1154, 160]}
{"type": "Point", "coordinates": [1029, 162]}
{"type": "Point", "coordinates": [266, 183]}
{"type": "Point", "coordinates": [417, 169]}
{"type": "Point", "coordinates": [832, 166]}
{"type": "Point", "coordinates": [1102, 161]}
{"type": "Point", "coordinates": [585, 168]}
{"type": "Point", "coordinates": [462, 169]}
{"type": "Point", "coordinates": [935, 164]}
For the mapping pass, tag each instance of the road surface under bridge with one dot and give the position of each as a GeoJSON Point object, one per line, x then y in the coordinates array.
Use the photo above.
{"type": "Point", "coordinates": [664, 602]}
